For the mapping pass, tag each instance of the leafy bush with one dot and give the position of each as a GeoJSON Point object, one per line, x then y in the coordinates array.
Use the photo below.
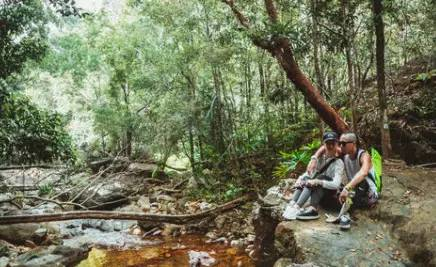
{"type": "Point", "coordinates": [45, 189]}
{"type": "Point", "coordinates": [232, 191]}
{"type": "Point", "coordinates": [30, 135]}
{"type": "Point", "coordinates": [298, 157]}
{"type": "Point", "coordinates": [218, 192]}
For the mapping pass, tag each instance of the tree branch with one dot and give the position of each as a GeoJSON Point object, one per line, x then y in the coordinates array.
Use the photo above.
{"type": "Point", "coordinates": [241, 18]}
{"type": "Point", "coordinates": [42, 166]}
{"type": "Point", "coordinates": [107, 215]}
{"type": "Point", "coordinates": [271, 10]}
{"type": "Point", "coordinates": [59, 203]}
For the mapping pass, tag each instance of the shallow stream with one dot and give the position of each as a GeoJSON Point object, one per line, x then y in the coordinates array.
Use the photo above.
{"type": "Point", "coordinates": [186, 250]}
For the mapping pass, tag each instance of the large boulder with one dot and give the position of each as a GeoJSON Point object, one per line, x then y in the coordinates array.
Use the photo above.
{"type": "Point", "coordinates": [50, 256]}
{"type": "Point", "coordinates": [20, 233]}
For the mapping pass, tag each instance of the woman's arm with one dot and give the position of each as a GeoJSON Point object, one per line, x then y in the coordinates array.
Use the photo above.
{"type": "Point", "coordinates": [314, 160]}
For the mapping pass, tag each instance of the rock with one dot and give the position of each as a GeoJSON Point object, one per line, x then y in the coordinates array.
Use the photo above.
{"type": "Point", "coordinates": [106, 193]}
{"type": "Point", "coordinates": [148, 225]}
{"type": "Point", "coordinates": [250, 247]}
{"type": "Point", "coordinates": [287, 262]}
{"type": "Point", "coordinates": [118, 226]}
{"type": "Point", "coordinates": [274, 196]}
{"type": "Point", "coordinates": [285, 242]}
{"type": "Point", "coordinates": [206, 172]}
{"type": "Point", "coordinates": [220, 220]}
{"type": "Point", "coordinates": [325, 245]}
{"type": "Point", "coordinates": [192, 183]}
{"type": "Point", "coordinates": [144, 169]}
{"type": "Point", "coordinates": [39, 235]}
{"type": "Point", "coordinates": [144, 203]}
{"type": "Point", "coordinates": [171, 229]}
{"type": "Point", "coordinates": [211, 235]}
{"type": "Point", "coordinates": [18, 233]}
{"type": "Point", "coordinates": [51, 256]}
{"type": "Point", "coordinates": [250, 238]}
{"type": "Point", "coordinates": [205, 206]}
{"type": "Point", "coordinates": [165, 198]}
{"type": "Point", "coordinates": [221, 240]}
{"type": "Point", "coordinates": [136, 231]}
{"type": "Point", "coordinates": [237, 243]}
{"type": "Point", "coordinates": [200, 258]}
{"type": "Point", "coordinates": [4, 261]}
{"type": "Point", "coordinates": [106, 225]}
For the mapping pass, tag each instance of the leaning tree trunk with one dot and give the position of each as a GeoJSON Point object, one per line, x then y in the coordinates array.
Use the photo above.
{"type": "Point", "coordinates": [381, 88]}
{"type": "Point", "coordinates": [280, 48]}
{"type": "Point", "coordinates": [282, 51]}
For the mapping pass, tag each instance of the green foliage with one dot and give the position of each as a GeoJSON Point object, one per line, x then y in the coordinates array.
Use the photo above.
{"type": "Point", "coordinates": [232, 191]}
{"type": "Point", "coordinates": [29, 134]}
{"type": "Point", "coordinates": [45, 189]}
{"type": "Point", "coordinates": [291, 160]}
{"type": "Point", "coordinates": [181, 76]}
{"type": "Point", "coordinates": [22, 34]}
{"type": "Point", "coordinates": [425, 76]}
{"type": "Point", "coordinates": [219, 192]}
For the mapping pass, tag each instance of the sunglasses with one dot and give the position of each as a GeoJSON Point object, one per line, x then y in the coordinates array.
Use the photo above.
{"type": "Point", "coordinates": [343, 143]}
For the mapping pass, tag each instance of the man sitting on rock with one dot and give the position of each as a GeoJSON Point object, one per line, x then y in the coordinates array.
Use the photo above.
{"type": "Point", "coordinates": [360, 187]}
{"type": "Point", "coordinates": [322, 184]}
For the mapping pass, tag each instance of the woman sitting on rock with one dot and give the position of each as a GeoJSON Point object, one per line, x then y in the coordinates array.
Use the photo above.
{"type": "Point", "coordinates": [321, 185]}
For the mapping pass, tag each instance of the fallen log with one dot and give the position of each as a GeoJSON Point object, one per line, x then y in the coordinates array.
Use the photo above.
{"type": "Point", "coordinates": [21, 167]}
{"type": "Point", "coordinates": [108, 215]}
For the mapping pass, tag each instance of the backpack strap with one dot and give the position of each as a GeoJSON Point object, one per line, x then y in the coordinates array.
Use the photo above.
{"type": "Point", "coordinates": [324, 167]}
{"type": "Point", "coordinates": [359, 155]}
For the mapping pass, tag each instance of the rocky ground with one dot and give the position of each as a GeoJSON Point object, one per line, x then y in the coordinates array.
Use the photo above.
{"type": "Point", "coordinates": [400, 231]}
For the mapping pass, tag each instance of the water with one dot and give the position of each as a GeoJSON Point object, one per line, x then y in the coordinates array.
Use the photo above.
{"type": "Point", "coordinates": [172, 252]}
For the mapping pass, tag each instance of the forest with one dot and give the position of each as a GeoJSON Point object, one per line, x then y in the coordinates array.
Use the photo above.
{"type": "Point", "coordinates": [176, 132]}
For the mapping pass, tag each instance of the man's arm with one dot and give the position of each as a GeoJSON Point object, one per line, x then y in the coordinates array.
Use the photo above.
{"type": "Point", "coordinates": [365, 162]}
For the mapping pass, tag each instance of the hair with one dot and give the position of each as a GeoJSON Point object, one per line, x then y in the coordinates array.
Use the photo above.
{"type": "Point", "coordinates": [351, 137]}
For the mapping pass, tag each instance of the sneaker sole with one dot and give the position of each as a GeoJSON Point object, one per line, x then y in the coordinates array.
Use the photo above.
{"type": "Point", "coordinates": [305, 218]}
{"type": "Point", "coordinates": [345, 227]}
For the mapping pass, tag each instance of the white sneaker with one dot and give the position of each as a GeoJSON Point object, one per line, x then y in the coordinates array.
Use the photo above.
{"type": "Point", "coordinates": [290, 212]}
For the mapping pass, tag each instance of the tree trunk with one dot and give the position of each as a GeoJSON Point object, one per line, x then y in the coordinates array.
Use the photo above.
{"type": "Point", "coordinates": [218, 114]}
{"type": "Point", "coordinates": [129, 130]}
{"type": "Point", "coordinates": [380, 58]}
{"type": "Point", "coordinates": [193, 121]}
{"type": "Point", "coordinates": [264, 99]}
{"type": "Point", "coordinates": [284, 54]}
{"type": "Point", "coordinates": [348, 45]}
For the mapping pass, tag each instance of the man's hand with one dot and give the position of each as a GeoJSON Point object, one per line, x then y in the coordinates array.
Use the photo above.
{"type": "Point", "coordinates": [343, 196]}
{"type": "Point", "coordinates": [314, 182]}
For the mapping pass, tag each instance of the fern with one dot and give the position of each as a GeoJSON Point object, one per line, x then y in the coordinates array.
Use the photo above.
{"type": "Point", "coordinates": [290, 161]}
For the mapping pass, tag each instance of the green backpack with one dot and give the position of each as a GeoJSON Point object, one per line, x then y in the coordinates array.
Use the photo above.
{"type": "Point", "coordinates": [376, 159]}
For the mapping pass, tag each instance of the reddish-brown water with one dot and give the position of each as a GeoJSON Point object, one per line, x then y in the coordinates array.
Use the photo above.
{"type": "Point", "coordinates": [170, 253]}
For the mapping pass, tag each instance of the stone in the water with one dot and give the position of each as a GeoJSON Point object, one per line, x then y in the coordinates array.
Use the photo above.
{"type": "Point", "coordinates": [287, 262]}
{"type": "Point", "coordinates": [51, 256]}
{"type": "Point", "coordinates": [201, 258]}
{"type": "Point", "coordinates": [237, 243]}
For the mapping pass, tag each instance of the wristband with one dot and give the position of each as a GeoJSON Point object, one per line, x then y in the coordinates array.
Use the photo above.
{"type": "Point", "coordinates": [314, 157]}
